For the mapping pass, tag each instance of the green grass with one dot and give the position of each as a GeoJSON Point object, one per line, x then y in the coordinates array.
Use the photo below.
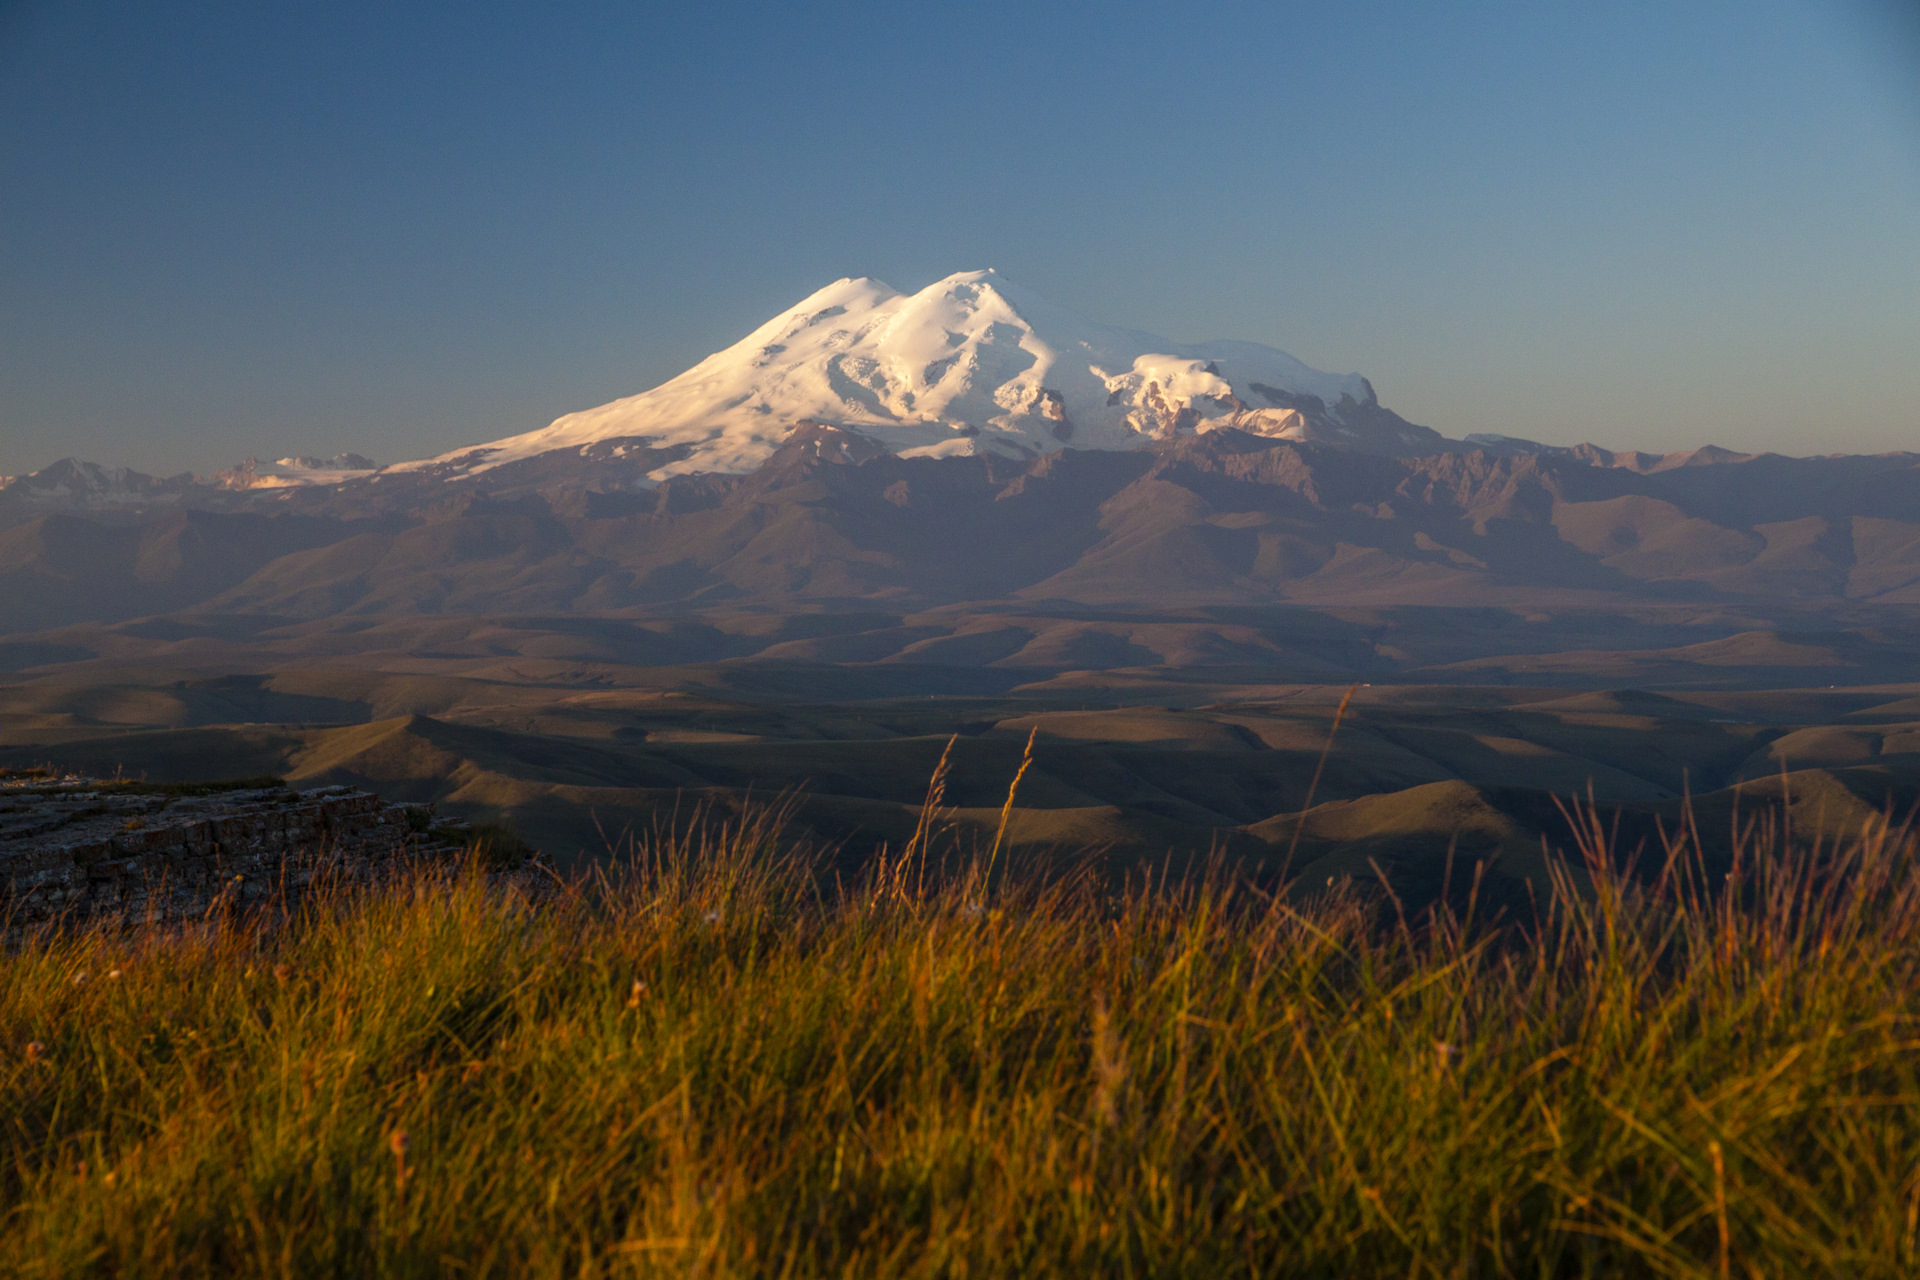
{"type": "Point", "coordinates": [711, 1062]}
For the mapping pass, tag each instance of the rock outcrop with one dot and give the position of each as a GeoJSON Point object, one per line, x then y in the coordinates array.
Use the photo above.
{"type": "Point", "coordinates": [75, 848]}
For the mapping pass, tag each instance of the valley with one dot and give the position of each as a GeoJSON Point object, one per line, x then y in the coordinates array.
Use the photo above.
{"type": "Point", "coordinates": [581, 731]}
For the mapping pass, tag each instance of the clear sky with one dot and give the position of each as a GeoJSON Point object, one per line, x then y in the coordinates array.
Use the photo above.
{"type": "Point", "coordinates": [395, 228]}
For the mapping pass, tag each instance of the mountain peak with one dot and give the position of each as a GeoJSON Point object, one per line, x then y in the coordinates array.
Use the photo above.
{"type": "Point", "coordinates": [970, 364]}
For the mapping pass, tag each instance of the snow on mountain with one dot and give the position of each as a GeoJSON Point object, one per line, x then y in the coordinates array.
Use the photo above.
{"type": "Point", "coordinates": [73, 484]}
{"type": "Point", "coordinates": [969, 364]}
{"type": "Point", "coordinates": [293, 473]}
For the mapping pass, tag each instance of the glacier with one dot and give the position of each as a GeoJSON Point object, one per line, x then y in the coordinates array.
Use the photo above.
{"type": "Point", "coordinates": [970, 364]}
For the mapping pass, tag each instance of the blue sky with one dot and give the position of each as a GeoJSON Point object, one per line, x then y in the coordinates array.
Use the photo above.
{"type": "Point", "coordinates": [395, 228]}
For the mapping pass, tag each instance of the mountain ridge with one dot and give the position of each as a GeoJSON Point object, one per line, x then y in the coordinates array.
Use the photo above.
{"type": "Point", "coordinates": [830, 521]}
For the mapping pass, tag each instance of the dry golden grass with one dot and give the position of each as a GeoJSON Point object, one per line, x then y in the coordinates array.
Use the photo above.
{"type": "Point", "coordinates": [710, 1061]}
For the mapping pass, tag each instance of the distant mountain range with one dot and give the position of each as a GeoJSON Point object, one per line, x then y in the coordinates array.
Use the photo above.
{"type": "Point", "coordinates": [969, 442]}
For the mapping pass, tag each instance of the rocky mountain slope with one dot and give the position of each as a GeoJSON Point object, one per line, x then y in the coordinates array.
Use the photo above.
{"type": "Point", "coordinates": [1221, 518]}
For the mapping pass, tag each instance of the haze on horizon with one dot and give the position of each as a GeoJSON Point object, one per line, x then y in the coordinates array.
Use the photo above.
{"type": "Point", "coordinates": [396, 229]}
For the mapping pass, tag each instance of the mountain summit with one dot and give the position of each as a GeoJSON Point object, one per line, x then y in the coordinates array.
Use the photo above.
{"type": "Point", "coordinates": [970, 364]}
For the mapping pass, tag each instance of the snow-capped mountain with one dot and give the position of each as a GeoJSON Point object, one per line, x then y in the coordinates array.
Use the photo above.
{"type": "Point", "coordinates": [967, 365]}
{"type": "Point", "coordinates": [71, 484]}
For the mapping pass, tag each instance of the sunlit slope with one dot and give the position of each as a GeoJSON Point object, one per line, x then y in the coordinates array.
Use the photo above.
{"type": "Point", "coordinates": [970, 364]}
{"type": "Point", "coordinates": [1411, 773]}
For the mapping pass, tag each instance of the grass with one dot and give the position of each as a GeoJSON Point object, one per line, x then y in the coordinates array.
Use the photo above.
{"type": "Point", "coordinates": [711, 1061]}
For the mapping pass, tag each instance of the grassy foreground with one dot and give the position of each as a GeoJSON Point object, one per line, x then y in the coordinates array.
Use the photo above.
{"type": "Point", "coordinates": [710, 1062]}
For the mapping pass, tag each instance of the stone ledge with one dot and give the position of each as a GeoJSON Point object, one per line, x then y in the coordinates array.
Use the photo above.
{"type": "Point", "coordinates": [78, 847]}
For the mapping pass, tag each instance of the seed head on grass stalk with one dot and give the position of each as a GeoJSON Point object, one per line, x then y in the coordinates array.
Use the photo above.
{"type": "Point", "coordinates": [1006, 810]}
{"type": "Point", "coordinates": [1299, 823]}
{"type": "Point", "coordinates": [931, 811]}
